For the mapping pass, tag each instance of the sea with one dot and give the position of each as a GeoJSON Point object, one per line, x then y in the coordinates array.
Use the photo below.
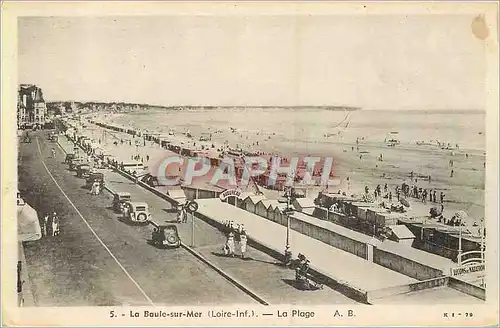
{"type": "Point", "coordinates": [463, 128]}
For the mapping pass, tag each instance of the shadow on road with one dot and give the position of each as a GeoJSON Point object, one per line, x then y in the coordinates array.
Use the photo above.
{"type": "Point", "coordinates": [294, 284]}
{"type": "Point", "coordinates": [170, 210]}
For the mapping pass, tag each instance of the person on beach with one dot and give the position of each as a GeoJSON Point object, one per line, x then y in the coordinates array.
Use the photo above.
{"type": "Point", "coordinates": [429, 178]}
{"type": "Point", "coordinates": [385, 187]}
{"type": "Point", "coordinates": [366, 190]}
{"type": "Point", "coordinates": [452, 173]}
{"type": "Point", "coordinates": [424, 196]}
{"type": "Point", "coordinates": [441, 198]}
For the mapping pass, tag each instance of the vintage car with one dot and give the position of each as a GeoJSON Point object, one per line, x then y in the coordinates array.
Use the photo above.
{"type": "Point", "coordinates": [119, 199]}
{"type": "Point", "coordinates": [94, 177]}
{"type": "Point", "coordinates": [136, 212]}
{"type": "Point", "coordinates": [83, 170]}
{"type": "Point", "coordinates": [53, 136]}
{"type": "Point", "coordinates": [166, 236]}
{"type": "Point", "coordinates": [74, 163]}
{"type": "Point", "coordinates": [69, 158]}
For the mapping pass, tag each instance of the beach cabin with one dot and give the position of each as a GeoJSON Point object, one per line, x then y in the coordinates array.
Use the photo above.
{"type": "Point", "coordinates": [250, 202]}
{"type": "Point", "coordinates": [401, 234]}
{"type": "Point", "coordinates": [305, 205]}
{"type": "Point", "coordinates": [278, 215]}
{"type": "Point", "coordinates": [265, 208]}
{"type": "Point", "coordinates": [133, 166]}
{"type": "Point", "coordinates": [178, 195]}
{"type": "Point", "coordinates": [261, 209]}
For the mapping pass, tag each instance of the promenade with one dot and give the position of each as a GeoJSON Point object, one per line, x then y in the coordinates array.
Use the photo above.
{"type": "Point", "coordinates": [261, 272]}
{"type": "Point", "coordinates": [345, 269]}
{"type": "Point", "coordinates": [341, 266]}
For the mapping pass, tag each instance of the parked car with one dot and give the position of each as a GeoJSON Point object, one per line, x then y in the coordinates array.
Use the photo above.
{"type": "Point", "coordinates": [69, 158]}
{"type": "Point", "coordinates": [74, 163]}
{"type": "Point", "coordinates": [53, 136]}
{"type": "Point", "coordinates": [137, 212]}
{"type": "Point", "coordinates": [94, 177]}
{"type": "Point", "coordinates": [166, 236]}
{"type": "Point", "coordinates": [83, 170]}
{"type": "Point", "coordinates": [119, 199]}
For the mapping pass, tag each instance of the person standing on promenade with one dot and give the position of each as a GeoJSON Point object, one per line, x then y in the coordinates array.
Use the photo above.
{"type": "Point", "coordinates": [441, 197]}
{"type": "Point", "coordinates": [230, 244]}
{"type": "Point", "coordinates": [55, 226]}
{"type": "Point", "coordinates": [243, 243]}
{"type": "Point", "coordinates": [45, 222]}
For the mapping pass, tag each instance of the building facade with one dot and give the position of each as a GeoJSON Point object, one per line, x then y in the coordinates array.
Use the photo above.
{"type": "Point", "coordinates": [31, 107]}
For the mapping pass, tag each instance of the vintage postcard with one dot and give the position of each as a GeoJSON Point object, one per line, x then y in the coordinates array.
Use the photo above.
{"type": "Point", "coordinates": [249, 163]}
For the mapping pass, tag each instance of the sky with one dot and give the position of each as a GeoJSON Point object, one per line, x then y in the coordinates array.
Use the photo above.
{"type": "Point", "coordinates": [373, 62]}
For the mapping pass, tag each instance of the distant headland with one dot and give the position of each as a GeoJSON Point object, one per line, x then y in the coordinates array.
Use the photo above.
{"type": "Point", "coordinates": [59, 107]}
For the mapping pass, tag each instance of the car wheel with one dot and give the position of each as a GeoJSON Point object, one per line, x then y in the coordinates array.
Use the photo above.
{"type": "Point", "coordinates": [172, 239]}
{"type": "Point", "coordinates": [141, 217]}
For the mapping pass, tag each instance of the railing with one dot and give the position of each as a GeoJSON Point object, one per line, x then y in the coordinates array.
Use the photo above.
{"type": "Point", "coordinates": [469, 258]}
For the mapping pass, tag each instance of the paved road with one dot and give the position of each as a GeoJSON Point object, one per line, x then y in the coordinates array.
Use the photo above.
{"type": "Point", "coordinates": [260, 272]}
{"type": "Point", "coordinates": [76, 268]}
{"type": "Point", "coordinates": [97, 260]}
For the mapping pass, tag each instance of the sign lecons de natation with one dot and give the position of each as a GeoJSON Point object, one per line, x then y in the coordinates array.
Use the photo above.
{"type": "Point", "coordinates": [467, 269]}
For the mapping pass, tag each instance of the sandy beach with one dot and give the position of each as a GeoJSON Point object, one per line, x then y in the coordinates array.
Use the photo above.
{"type": "Point", "coordinates": [355, 151]}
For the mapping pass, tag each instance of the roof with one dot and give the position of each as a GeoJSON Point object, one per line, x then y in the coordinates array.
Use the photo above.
{"type": "Point", "coordinates": [177, 193]}
{"type": "Point", "coordinates": [138, 203]}
{"type": "Point", "coordinates": [309, 211]}
{"type": "Point", "coordinates": [270, 203]}
{"type": "Point", "coordinates": [423, 257]}
{"type": "Point", "coordinates": [401, 231]}
{"type": "Point", "coordinates": [305, 202]}
{"type": "Point", "coordinates": [28, 226]}
{"type": "Point", "coordinates": [245, 194]}
{"type": "Point", "coordinates": [255, 199]}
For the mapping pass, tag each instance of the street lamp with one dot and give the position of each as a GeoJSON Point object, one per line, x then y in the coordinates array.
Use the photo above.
{"type": "Point", "coordinates": [288, 211]}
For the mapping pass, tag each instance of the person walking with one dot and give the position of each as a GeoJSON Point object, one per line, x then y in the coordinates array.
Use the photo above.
{"type": "Point", "coordinates": [45, 222]}
{"type": "Point", "coordinates": [55, 225]}
{"type": "Point", "coordinates": [98, 188]}
{"type": "Point", "coordinates": [243, 243]}
{"type": "Point", "coordinates": [230, 244]}
{"type": "Point", "coordinates": [48, 225]}
{"type": "Point", "coordinates": [93, 188]}
{"type": "Point", "coordinates": [53, 153]}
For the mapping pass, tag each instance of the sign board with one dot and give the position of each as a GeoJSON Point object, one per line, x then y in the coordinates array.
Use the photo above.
{"type": "Point", "coordinates": [467, 269]}
{"type": "Point", "coordinates": [192, 207]}
{"type": "Point", "coordinates": [230, 193]}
